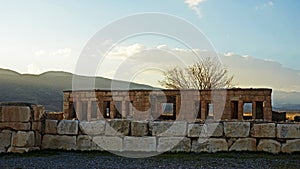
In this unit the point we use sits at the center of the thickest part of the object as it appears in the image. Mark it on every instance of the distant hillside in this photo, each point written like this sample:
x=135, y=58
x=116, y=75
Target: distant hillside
x=47, y=88
x=286, y=101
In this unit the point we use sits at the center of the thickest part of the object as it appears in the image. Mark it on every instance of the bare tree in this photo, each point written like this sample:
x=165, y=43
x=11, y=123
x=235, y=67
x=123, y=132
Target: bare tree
x=206, y=74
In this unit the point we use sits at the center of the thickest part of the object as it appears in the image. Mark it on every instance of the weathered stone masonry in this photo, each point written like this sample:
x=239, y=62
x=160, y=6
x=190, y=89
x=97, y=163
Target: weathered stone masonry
x=227, y=104
x=23, y=129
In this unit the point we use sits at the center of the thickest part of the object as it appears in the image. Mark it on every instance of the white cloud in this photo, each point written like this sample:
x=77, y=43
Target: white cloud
x=265, y=5
x=39, y=52
x=65, y=52
x=247, y=70
x=229, y=54
x=194, y=5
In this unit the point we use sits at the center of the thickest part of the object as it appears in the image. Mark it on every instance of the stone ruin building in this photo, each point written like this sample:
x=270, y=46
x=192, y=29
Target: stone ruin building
x=190, y=105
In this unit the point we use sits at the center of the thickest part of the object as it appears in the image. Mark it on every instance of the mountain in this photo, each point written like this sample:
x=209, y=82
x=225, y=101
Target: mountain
x=47, y=88
x=286, y=101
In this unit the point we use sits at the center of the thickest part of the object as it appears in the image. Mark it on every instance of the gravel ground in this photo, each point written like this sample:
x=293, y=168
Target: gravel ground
x=56, y=159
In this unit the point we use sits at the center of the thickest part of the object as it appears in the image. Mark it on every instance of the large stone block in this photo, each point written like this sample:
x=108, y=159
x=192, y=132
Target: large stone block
x=139, y=128
x=93, y=127
x=172, y=129
x=288, y=130
x=244, y=144
x=59, y=142
x=15, y=114
x=268, y=145
x=68, y=127
x=236, y=129
x=84, y=143
x=196, y=130
x=117, y=127
x=214, y=129
x=291, y=146
x=23, y=139
x=51, y=126
x=109, y=143
x=140, y=144
x=205, y=130
x=174, y=144
x=210, y=145
x=264, y=130
x=5, y=138
x=38, y=139
x=15, y=125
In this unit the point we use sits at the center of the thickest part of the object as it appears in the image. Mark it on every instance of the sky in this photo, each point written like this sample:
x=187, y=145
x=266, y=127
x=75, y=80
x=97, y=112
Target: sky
x=42, y=35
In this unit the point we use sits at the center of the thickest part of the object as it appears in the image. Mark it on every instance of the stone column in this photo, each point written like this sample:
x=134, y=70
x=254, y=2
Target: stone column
x=89, y=110
x=240, y=110
x=253, y=109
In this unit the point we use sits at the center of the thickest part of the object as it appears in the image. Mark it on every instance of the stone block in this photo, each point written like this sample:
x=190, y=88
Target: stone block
x=244, y=144
x=109, y=143
x=36, y=126
x=174, y=144
x=210, y=145
x=264, y=130
x=291, y=146
x=140, y=144
x=93, y=127
x=38, y=139
x=236, y=129
x=288, y=130
x=51, y=126
x=22, y=149
x=84, y=143
x=268, y=145
x=117, y=127
x=139, y=128
x=68, y=127
x=23, y=139
x=172, y=129
x=59, y=142
x=214, y=129
x=205, y=130
x=5, y=139
x=196, y=130
x=15, y=126
x=15, y=114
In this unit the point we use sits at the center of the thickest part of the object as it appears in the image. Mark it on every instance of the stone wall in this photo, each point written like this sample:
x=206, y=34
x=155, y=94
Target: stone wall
x=161, y=136
x=20, y=127
x=23, y=128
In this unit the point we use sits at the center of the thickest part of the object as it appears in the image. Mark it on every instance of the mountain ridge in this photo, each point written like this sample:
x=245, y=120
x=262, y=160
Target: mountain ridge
x=47, y=89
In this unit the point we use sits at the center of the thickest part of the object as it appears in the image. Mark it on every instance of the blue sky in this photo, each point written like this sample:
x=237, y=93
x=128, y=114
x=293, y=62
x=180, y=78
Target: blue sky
x=40, y=35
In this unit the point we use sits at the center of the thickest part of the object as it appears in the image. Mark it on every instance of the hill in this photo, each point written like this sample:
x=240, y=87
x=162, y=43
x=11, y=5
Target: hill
x=47, y=88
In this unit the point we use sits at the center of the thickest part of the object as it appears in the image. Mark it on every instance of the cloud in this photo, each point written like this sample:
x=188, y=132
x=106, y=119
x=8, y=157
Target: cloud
x=194, y=5
x=265, y=5
x=39, y=52
x=65, y=52
x=247, y=70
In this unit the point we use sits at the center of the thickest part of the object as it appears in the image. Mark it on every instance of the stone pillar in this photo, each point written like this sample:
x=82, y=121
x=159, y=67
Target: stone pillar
x=112, y=110
x=253, y=109
x=203, y=109
x=240, y=110
x=89, y=110
x=123, y=110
